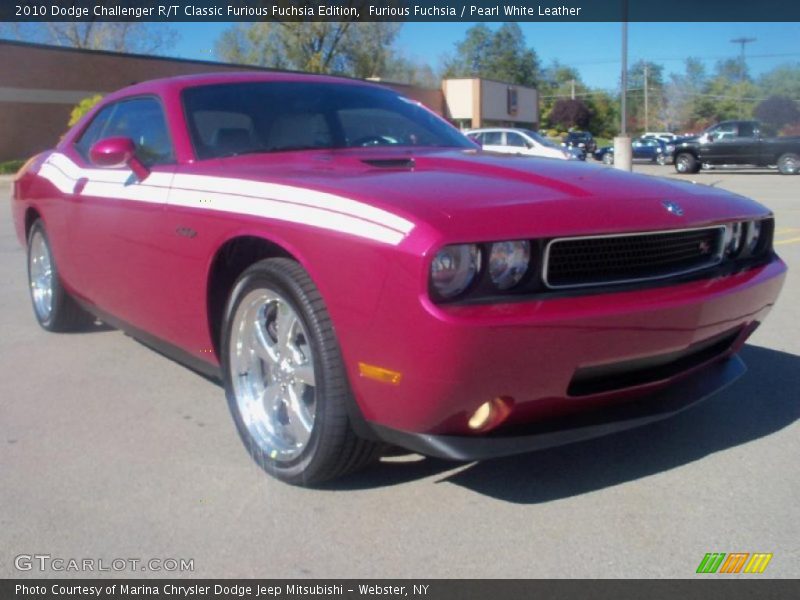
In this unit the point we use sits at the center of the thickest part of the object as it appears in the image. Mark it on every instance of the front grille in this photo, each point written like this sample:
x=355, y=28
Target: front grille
x=626, y=258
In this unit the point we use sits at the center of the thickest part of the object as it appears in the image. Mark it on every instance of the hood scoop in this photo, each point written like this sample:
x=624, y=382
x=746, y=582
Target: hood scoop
x=390, y=163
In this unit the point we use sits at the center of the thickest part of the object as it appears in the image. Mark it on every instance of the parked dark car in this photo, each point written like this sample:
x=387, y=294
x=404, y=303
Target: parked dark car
x=582, y=140
x=739, y=143
x=648, y=149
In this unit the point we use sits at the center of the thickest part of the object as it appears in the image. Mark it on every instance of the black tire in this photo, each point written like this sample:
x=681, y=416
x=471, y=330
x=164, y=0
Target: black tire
x=686, y=163
x=789, y=164
x=64, y=313
x=333, y=449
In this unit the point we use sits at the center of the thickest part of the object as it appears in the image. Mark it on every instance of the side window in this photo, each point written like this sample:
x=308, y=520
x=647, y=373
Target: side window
x=515, y=139
x=493, y=138
x=94, y=131
x=142, y=120
x=724, y=131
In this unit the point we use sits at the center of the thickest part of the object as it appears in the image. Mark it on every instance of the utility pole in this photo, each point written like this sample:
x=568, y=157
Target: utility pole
x=646, y=120
x=572, y=83
x=742, y=41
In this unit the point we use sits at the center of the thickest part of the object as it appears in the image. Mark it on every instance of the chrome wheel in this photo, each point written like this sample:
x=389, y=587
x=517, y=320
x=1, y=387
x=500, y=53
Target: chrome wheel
x=40, y=273
x=272, y=374
x=789, y=164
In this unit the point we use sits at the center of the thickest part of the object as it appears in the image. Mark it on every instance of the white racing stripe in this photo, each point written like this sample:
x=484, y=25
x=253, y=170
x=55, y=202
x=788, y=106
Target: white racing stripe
x=240, y=196
x=286, y=193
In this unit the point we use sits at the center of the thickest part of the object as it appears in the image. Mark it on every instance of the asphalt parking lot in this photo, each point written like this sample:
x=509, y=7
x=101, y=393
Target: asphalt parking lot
x=108, y=451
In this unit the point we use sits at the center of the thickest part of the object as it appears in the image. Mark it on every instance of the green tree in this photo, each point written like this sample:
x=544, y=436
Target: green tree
x=368, y=48
x=362, y=49
x=604, y=121
x=682, y=94
x=783, y=80
x=251, y=44
x=501, y=55
x=128, y=36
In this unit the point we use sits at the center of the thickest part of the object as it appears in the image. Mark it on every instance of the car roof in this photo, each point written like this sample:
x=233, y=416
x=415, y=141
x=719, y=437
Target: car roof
x=178, y=83
x=484, y=129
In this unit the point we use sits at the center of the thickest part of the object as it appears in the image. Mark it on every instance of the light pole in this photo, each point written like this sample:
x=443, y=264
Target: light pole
x=622, y=143
x=743, y=41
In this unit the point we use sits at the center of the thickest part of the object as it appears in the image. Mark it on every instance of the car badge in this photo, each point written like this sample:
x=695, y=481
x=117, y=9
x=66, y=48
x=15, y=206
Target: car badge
x=704, y=247
x=672, y=207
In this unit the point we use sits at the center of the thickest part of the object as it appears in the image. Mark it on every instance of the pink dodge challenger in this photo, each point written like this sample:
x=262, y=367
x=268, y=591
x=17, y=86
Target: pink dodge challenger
x=359, y=273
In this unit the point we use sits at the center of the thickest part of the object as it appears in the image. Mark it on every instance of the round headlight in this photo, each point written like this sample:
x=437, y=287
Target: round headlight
x=454, y=268
x=508, y=263
x=753, y=235
x=735, y=238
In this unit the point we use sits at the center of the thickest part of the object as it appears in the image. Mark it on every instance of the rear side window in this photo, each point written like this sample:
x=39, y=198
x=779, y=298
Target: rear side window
x=747, y=129
x=493, y=138
x=140, y=119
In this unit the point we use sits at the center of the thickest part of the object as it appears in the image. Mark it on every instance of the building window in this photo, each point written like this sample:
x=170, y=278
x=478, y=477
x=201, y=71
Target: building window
x=511, y=97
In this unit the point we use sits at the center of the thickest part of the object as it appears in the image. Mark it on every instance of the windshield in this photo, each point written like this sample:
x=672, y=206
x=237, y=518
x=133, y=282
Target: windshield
x=540, y=139
x=243, y=118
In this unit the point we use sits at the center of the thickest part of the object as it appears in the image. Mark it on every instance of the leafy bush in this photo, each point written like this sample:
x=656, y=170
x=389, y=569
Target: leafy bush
x=570, y=113
x=83, y=107
x=10, y=167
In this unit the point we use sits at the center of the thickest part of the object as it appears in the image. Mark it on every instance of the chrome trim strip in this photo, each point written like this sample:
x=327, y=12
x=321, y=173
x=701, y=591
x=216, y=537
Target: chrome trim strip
x=717, y=257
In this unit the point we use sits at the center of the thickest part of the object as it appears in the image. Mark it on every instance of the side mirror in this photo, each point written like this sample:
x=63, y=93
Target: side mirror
x=117, y=152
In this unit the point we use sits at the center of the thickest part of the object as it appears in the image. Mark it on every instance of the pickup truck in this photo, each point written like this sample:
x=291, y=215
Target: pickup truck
x=737, y=143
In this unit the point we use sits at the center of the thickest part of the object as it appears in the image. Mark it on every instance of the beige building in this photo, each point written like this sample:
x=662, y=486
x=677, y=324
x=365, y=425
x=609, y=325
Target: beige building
x=483, y=103
x=40, y=84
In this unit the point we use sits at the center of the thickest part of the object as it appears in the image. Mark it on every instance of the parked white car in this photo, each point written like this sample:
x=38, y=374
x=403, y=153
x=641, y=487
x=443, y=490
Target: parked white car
x=521, y=141
x=660, y=135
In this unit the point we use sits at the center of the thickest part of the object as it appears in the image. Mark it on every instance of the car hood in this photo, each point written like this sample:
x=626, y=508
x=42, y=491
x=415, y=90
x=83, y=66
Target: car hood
x=470, y=194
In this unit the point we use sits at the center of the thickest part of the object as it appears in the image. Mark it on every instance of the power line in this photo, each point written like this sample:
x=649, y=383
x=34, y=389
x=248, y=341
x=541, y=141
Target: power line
x=609, y=61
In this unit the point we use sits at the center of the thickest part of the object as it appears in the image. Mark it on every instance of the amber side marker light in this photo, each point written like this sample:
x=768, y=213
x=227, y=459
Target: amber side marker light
x=379, y=374
x=491, y=413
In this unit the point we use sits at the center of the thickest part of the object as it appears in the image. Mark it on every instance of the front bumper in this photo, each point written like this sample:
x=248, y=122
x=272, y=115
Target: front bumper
x=577, y=428
x=553, y=357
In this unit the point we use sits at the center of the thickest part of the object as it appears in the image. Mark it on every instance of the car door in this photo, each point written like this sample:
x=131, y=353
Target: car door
x=517, y=144
x=118, y=224
x=746, y=146
x=640, y=149
x=717, y=146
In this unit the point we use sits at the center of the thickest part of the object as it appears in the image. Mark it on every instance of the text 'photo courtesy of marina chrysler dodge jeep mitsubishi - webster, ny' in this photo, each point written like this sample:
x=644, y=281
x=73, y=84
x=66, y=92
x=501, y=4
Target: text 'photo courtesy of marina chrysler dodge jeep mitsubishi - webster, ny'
x=359, y=274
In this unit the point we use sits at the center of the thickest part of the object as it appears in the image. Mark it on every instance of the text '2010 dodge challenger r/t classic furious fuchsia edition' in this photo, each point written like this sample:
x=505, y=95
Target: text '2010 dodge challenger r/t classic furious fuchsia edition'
x=358, y=273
